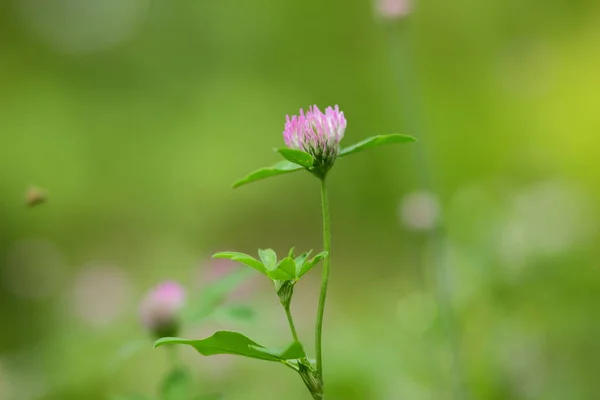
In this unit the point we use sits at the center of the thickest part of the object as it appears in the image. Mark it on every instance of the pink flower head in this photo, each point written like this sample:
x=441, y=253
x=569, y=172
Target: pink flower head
x=316, y=133
x=394, y=9
x=160, y=308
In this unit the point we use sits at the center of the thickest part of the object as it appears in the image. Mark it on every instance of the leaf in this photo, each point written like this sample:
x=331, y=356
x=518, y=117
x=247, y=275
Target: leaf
x=314, y=261
x=297, y=157
x=300, y=260
x=374, y=141
x=285, y=271
x=291, y=252
x=282, y=167
x=244, y=259
x=292, y=352
x=176, y=385
x=222, y=342
x=269, y=258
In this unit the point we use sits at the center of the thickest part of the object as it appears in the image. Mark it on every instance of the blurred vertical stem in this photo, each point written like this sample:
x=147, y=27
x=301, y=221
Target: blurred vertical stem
x=325, y=277
x=400, y=55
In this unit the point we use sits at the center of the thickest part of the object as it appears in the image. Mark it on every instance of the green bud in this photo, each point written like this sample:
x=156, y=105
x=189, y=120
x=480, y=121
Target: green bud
x=285, y=291
x=311, y=380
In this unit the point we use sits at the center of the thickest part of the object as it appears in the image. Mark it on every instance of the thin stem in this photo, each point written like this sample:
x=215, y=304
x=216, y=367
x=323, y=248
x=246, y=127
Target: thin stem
x=325, y=278
x=289, y=365
x=291, y=322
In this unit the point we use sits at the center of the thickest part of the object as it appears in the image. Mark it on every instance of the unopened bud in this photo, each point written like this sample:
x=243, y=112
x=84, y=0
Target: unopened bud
x=159, y=311
x=285, y=291
x=311, y=380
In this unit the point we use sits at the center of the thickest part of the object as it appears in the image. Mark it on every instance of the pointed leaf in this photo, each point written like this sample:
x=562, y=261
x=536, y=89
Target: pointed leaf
x=310, y=264
x=291, y=252
x=297, y=157
x=300, y=260
x=285, y=271
x=282, y=167
x=177, y=385
x=244, y=259
x=222, y=342
x=291, y=352
x=269, y=258
x=374, y=141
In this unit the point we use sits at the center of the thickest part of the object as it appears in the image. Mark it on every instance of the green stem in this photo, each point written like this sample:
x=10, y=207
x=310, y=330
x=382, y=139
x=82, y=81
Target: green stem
x=291, y=322
x=325, y=278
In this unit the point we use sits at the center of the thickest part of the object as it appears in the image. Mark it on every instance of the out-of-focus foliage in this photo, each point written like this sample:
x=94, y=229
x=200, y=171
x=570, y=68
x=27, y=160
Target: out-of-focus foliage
x=135, y=116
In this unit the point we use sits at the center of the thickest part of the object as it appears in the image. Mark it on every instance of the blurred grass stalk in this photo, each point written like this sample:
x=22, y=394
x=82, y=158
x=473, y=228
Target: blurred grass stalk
x=400, y=57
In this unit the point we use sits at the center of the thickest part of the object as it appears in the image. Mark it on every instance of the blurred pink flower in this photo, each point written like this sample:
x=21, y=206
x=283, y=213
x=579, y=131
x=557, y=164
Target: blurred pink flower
x=219, y=268
x=394, y=9
x=316, y=133
x=160, y=308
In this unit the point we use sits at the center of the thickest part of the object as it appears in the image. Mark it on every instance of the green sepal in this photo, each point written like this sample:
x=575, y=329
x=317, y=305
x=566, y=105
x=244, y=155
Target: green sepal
x=285, y=291
x=375, y=141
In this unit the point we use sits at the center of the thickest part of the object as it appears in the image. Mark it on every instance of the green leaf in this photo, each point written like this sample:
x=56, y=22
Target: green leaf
x=285, y=271
x=310, y=264
x=292, y=352
x=282, y=167
x=291, y=252
x=176, y=386
x=300, y=260
x=297, y=157
x=269, y=258
x=222, y=342
x=244, y=259
x=374, y=141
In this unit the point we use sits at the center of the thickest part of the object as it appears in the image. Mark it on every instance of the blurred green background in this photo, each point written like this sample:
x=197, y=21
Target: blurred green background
x=137, y=115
